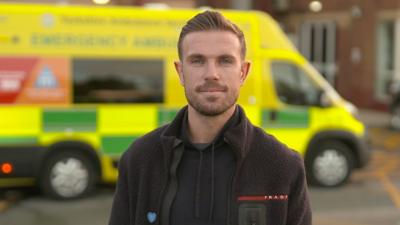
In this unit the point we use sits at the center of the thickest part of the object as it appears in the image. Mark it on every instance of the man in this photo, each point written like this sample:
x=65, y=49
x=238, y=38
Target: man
x=210, y=165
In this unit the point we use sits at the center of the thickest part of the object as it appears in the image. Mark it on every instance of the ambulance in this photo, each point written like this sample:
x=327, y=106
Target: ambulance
x=78, y=84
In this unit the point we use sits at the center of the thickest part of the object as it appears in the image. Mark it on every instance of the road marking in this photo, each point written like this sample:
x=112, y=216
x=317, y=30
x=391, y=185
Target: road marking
x=392, y=142
x=3, y=205
x=389, y=166
x=388, y=139
x=383, y=165
x=375, y=168
x=8, y=200
x=391, y=189
x=331, y=221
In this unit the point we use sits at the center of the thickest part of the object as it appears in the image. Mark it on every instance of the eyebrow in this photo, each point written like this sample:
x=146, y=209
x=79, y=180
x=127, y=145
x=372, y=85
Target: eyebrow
x=226, y=56
x=195, y=55
x=198, y=55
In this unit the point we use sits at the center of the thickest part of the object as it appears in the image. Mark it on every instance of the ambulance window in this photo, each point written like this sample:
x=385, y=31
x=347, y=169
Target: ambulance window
x=118, y=81
x=293, y=85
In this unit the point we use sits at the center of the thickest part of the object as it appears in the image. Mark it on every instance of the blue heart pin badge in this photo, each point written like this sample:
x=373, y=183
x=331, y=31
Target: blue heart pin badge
x=151, y=217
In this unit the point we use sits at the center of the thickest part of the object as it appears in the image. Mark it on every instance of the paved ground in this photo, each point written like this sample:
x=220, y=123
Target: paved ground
x=30, y=208
x=372, y=196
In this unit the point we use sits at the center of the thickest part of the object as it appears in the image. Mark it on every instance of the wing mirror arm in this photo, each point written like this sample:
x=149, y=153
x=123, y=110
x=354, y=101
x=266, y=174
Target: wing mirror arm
x=323, y=99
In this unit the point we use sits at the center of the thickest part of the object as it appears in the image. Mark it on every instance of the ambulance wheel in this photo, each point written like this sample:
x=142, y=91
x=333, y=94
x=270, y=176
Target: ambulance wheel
x=329, y=164
x=68, y=175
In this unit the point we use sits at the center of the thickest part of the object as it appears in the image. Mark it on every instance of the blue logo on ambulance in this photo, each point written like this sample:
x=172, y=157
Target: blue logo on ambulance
x=46, y=79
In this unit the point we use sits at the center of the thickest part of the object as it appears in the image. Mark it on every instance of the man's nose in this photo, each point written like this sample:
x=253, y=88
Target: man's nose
x=212, y=71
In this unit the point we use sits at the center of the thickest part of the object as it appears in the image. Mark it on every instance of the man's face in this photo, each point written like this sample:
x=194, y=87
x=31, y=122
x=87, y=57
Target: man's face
x=211, y=71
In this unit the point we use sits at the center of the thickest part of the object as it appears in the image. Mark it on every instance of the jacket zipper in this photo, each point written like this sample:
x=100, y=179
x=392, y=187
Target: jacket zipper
x=231, y=191
x=162, y=197
x=230, y=197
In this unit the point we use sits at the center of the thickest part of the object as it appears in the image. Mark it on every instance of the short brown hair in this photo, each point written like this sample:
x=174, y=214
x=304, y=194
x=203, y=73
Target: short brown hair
x=211, y=21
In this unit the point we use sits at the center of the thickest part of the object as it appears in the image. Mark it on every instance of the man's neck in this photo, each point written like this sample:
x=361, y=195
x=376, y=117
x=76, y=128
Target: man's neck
x=203, y=129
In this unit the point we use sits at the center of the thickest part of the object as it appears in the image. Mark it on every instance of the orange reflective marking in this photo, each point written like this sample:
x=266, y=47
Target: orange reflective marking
x=6, y=168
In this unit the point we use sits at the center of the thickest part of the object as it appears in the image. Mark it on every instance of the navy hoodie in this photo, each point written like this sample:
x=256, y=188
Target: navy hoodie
x=204, y=179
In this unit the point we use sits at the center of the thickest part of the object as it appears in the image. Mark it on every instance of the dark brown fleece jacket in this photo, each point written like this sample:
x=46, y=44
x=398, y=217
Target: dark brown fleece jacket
x=268, y=188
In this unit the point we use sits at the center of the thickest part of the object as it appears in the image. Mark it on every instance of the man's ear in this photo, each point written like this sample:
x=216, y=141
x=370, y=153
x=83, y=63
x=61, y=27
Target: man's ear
x=244, y=71
x=178, y=68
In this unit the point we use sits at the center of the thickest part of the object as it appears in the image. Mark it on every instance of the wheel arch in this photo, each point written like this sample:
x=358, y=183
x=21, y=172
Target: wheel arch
x=347, y=138
x=76, y=147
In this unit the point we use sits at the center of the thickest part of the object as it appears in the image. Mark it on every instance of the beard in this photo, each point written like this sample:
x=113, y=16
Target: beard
x=211, y=105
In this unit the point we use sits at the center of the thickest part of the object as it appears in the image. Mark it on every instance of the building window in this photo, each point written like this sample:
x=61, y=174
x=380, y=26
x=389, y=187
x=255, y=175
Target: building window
x=318, y=45
x=388, y=31
x=293, y=85
x=118, y=81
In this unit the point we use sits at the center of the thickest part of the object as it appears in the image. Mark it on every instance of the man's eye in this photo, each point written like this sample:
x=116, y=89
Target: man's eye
x=226, y=60
x=196, y=61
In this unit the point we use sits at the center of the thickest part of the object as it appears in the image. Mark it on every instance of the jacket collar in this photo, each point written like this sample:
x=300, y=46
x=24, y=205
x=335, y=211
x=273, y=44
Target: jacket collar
x=238, y=136
x=218, y=139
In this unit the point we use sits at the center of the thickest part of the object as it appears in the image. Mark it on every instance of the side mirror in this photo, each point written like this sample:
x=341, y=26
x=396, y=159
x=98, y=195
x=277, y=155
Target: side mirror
x=323, y=100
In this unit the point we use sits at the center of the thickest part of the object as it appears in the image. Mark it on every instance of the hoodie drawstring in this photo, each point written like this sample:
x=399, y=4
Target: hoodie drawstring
x=210, y=214
x=197, y=198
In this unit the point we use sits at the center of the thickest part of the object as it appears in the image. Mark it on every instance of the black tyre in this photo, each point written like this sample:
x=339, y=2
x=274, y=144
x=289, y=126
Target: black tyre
x=68, y=175
x=329, y=164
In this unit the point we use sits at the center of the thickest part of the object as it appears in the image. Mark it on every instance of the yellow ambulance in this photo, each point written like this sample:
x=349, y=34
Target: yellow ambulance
x=78, y=84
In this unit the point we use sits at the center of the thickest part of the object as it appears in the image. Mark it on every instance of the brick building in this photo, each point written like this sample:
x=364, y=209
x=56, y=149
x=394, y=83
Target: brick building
x=353, y=43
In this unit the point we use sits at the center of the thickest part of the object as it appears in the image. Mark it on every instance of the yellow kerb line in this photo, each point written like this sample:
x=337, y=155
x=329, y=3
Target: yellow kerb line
x=391, y=189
